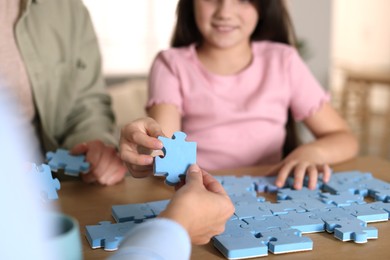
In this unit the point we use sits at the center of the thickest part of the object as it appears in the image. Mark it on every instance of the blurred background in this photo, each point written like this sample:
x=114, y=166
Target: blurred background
x=345, y=43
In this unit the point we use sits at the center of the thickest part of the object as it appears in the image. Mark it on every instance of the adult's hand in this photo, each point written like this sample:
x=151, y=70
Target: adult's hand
x=201, y=206
x=106, y=167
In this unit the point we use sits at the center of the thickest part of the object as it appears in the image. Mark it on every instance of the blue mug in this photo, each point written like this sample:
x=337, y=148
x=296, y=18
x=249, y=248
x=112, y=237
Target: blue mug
x=65, y=241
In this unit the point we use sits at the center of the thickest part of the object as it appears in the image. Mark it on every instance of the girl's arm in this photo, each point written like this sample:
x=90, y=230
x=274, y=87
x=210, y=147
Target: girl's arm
x=334, y=143
x=168, y=116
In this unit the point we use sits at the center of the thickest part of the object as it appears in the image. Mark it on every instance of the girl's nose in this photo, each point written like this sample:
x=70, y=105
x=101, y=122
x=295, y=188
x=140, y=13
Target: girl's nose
x=224, y=9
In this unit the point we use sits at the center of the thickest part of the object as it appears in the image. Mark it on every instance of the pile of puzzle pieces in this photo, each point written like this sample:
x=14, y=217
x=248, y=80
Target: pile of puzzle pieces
x=338, y=207
x=259, y=226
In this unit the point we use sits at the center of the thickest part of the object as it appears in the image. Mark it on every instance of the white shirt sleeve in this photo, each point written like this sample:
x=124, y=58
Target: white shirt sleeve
x=160, y=238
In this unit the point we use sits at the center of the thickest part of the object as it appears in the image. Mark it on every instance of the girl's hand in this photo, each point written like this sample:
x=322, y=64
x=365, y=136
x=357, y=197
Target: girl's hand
x=137, y=142
x=304, y=160
x=299, y=169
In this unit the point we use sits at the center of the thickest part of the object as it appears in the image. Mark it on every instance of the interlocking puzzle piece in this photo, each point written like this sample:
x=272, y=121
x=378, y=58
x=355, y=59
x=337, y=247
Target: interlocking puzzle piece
x=178, y=156
x=158, y=206
x=257, y=225
x=251, y=210
x=367, y=212
x=266, y=184
x=282, y=207
x=72, y=164
x=381, y=195
x=107, y=235
x=351, y=229
x=237, y=243
x=132, y=212
x=246, y=198
x=281, y=240
x=138, y=212
x=313, y=204
x=342, y=199
x=348, y=181
x=304, y=193
x=381, y=205
x=303, y=222
x=48, y=184
x=290, y=182
x=240, y=188
x=332, y=214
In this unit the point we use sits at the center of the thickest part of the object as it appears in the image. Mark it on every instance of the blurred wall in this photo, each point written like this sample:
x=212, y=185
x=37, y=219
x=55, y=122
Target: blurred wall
x=361, y=40
x=312, y=22
x=361, y=32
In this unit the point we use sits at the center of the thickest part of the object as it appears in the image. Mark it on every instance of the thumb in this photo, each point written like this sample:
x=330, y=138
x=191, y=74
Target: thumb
x=79, y=149
x=194, y=175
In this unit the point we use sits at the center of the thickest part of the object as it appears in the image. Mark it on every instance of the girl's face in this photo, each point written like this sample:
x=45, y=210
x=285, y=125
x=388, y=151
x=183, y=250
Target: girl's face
x=225, y=23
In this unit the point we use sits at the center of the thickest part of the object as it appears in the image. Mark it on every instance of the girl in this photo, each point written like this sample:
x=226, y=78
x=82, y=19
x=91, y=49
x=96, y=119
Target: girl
x=228, y=82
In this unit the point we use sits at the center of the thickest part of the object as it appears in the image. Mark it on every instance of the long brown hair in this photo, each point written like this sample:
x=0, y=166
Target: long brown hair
x=274, y=25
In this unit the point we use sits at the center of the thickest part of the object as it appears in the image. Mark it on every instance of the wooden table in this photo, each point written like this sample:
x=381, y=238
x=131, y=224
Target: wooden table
x=90, y=204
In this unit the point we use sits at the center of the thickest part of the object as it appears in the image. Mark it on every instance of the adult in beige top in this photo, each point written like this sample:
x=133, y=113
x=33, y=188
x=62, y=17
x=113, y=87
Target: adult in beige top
x=50, y=63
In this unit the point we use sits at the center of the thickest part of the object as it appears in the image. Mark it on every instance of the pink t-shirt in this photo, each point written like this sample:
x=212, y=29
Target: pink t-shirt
x=237, y=120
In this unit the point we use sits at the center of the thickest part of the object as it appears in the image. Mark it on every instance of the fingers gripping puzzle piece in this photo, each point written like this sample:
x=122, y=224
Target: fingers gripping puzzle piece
x=48, y=184
x=72, y=164
x=178, y=156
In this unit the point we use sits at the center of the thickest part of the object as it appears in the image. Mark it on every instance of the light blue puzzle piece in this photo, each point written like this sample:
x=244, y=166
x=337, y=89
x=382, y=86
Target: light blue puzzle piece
x=342, y=199
x=107, y=235
x=48, y=184
x=266, y=184
x=158, y=206
x=251, y=210
x=381, y=195
x=282, y=207
x=332, y=214
x=290, y=182
x=348, y=181
x=178, y=156
x=303, y=222
x=257, y=225
x=132, y=212
x=304, y=193
x=239, y=185
x=314, y=204
x=367, y=212
x=381, y=205
x=351, y=229
x=237, y=242
x=281, y=241
x=246, y=198
x=71, y=164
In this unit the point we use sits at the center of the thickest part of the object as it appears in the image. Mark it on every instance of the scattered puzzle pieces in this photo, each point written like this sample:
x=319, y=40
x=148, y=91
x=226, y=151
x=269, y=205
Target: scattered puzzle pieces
x=48, y=184
x=258, y=226
x=178, y=156
x=71, y=164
